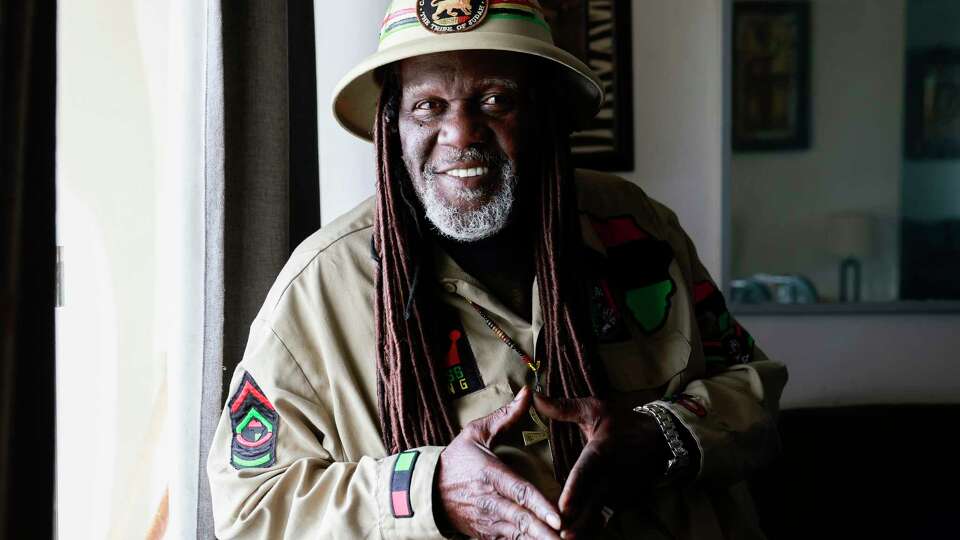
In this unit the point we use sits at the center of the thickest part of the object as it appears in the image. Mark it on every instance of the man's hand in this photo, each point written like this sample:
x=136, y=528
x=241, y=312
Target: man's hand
x=480, y=495
x=625, y=455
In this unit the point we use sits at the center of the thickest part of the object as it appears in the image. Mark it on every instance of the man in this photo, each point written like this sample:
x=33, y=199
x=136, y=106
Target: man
x=496, y=345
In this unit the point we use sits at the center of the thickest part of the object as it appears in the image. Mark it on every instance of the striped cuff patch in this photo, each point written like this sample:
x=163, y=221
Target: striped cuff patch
x=400, y=483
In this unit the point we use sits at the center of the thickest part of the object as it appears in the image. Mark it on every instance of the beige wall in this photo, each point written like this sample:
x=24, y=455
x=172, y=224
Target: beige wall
x=678, y=104
x=782, y=201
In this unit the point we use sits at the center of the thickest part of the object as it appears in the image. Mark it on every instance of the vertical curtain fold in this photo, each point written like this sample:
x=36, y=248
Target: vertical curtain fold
x=27, y=265
x=261, y=180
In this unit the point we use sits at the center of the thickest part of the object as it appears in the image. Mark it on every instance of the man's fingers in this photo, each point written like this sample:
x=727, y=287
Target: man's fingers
x=581, y=482
x=524, y=494
x=582, y=494
x=564, y=410
x=518, y=522
x=501, y=419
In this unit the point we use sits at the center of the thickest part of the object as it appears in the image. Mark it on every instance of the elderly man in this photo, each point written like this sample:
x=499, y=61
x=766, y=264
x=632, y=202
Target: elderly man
x=495, y=345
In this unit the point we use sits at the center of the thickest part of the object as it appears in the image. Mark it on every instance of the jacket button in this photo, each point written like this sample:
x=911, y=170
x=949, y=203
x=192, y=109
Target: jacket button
x=450, y=287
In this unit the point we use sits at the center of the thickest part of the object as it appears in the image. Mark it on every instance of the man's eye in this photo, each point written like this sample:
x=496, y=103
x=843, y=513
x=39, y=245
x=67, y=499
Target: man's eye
x=497, y=100
x=427, y=105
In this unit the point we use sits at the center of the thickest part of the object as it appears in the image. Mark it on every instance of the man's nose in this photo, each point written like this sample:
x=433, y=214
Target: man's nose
x=462, y=127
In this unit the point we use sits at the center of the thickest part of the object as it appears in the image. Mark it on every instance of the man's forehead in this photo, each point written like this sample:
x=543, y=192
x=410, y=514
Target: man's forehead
x=486, y=68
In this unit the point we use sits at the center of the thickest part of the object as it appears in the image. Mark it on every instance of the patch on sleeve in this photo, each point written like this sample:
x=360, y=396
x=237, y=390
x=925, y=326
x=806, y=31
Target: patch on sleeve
x=254, y=421
x=640, y=266
x=690, y=403
x=725, y=342
x=400, y=483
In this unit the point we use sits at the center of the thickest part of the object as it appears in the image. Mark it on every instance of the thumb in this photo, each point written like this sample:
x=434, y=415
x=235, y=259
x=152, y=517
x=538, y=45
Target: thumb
x=560, y=409
x=503, y=418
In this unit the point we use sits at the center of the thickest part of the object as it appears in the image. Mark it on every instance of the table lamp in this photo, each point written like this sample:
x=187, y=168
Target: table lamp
x=850, y=237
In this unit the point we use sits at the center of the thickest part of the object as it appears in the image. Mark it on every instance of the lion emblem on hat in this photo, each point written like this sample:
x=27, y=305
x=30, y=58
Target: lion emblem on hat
x=449, y=6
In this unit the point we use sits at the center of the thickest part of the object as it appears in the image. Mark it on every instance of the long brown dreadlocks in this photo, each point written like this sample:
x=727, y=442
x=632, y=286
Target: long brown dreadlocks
x=414, y=407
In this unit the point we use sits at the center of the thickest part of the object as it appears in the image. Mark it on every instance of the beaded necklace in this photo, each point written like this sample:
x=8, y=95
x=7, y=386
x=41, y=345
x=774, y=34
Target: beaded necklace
x=542, y=433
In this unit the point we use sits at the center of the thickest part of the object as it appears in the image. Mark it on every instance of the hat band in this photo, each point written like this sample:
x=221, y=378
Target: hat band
x=522, y=10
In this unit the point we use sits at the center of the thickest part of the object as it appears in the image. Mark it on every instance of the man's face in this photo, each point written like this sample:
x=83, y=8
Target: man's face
x=460, y=120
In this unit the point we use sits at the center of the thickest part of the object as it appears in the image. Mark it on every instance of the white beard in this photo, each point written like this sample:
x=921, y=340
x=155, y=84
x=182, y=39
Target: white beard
x=469, y=225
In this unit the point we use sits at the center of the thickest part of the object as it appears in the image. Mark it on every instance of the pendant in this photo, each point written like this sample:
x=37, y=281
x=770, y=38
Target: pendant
x=541, y=434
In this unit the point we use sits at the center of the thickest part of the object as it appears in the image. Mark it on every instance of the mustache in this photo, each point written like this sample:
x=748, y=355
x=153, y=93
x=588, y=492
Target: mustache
x=485, y=157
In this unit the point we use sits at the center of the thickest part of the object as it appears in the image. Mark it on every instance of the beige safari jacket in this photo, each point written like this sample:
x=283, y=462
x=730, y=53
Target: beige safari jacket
x=297, y=453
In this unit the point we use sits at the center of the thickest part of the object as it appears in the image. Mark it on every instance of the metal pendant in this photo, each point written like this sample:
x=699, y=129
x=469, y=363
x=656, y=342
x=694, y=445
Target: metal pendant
x=539, y=435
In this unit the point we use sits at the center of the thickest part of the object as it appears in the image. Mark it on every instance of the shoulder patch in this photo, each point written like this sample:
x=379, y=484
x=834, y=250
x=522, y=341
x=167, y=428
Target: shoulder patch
x=725, y=342
x=255, y=421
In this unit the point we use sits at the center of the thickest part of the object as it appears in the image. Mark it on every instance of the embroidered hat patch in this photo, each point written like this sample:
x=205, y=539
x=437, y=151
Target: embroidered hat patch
x=254, y=421
x=443, y=16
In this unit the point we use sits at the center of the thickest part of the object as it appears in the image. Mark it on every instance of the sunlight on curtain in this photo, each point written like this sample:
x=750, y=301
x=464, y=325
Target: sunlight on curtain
x=130, y=208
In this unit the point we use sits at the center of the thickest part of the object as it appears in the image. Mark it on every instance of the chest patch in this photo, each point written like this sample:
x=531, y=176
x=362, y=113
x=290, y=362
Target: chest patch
x=463, y=376
x=605, y=316
x=640, y=266
x=254, y=420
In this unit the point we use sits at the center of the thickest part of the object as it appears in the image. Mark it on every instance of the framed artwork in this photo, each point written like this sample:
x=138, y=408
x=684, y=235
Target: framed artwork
x=771, y=83
x=598, y=33
x=933, y=105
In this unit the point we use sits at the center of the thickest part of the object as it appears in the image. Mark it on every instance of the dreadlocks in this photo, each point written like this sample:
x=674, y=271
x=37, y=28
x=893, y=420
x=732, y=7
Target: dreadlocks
x=414, y=407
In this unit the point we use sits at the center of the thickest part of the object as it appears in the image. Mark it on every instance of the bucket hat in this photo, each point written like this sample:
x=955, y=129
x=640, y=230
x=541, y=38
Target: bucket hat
x=419, y=27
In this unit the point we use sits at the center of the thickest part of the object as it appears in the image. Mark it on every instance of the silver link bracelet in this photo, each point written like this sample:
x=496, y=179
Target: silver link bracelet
x=679, y=456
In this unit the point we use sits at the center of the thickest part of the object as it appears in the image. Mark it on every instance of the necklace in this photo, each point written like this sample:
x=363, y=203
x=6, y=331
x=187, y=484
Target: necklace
x=542, y=433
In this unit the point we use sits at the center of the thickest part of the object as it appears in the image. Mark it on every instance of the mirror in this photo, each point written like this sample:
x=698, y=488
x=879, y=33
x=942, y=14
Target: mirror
x=845, y=172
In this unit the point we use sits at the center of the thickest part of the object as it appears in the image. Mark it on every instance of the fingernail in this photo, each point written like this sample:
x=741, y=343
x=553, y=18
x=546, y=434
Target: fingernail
x=554, y=521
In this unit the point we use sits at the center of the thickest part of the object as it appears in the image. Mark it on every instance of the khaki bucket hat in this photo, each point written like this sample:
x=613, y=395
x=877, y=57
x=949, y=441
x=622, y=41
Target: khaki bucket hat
x=419, y=27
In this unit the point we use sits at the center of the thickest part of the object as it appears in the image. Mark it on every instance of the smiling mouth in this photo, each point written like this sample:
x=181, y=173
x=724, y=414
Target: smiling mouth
x=471, y=172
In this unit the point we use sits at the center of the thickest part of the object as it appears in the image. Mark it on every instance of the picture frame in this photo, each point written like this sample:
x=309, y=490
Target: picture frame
x=932, y=109
x=598, y=33
x=771, y=76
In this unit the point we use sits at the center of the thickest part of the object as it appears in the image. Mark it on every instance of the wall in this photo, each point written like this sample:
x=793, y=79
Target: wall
x=782, y=201
x=347, y=171
x=930, y=187
x=679, y=108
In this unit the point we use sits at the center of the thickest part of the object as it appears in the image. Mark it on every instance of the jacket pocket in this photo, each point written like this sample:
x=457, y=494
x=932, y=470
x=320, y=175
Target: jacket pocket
x=645, y=364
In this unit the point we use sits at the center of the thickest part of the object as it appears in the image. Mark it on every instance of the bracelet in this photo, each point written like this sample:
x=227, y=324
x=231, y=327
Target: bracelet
x=679, y=456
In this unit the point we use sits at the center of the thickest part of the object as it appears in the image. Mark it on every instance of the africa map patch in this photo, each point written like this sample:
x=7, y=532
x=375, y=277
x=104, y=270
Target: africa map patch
x=725, y=342
x=640, y=266
x=254, y=421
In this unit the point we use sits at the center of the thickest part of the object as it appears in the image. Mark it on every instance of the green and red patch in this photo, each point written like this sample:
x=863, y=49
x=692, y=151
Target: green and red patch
x=725, y=342
x=640, y=266
x=254, y=420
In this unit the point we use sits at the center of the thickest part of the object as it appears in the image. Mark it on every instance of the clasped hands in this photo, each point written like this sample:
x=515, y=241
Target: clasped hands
x=480, y=496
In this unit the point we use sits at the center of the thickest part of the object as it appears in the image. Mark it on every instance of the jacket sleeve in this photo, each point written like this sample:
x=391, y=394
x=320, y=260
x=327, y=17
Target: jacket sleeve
x=730, y=400
x=272, y=476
